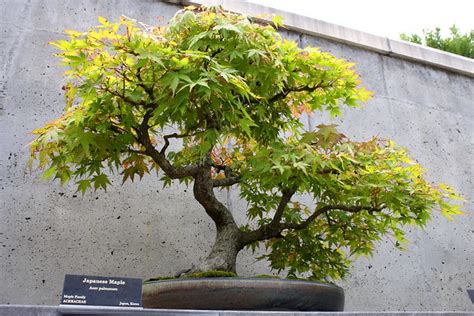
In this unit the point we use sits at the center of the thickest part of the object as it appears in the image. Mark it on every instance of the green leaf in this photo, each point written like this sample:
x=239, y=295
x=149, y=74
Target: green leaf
x=277, y=20
x=83, y=185
x=101, y=181
x=174, y=83
x=49, y=173
x=227, y=27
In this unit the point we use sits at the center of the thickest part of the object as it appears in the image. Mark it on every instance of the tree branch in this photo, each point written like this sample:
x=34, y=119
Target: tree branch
x=148, y=90
x=117, y=129
x=204, y=194
x=226, y=181
x=227, y=170
x=284, y=93
x=230, y=177
x=285, y=198
x=326, y=208
x=135, y=151
x=274, y=229
x=123, y=97
x=329, y=171
x=159, y=157
x=174, y=135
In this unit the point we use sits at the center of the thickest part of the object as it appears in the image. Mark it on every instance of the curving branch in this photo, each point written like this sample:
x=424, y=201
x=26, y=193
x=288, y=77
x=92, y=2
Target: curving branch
x=118, y=129
x=148, y=90
x=274, y=228
x=230, y=177
x=174, y=135
x=123, y=97
x=226, y=181
x=285, y=92
x=160, y=157
x=285, y=199
x=204, y=194
x=135, y=151
x=325, y=209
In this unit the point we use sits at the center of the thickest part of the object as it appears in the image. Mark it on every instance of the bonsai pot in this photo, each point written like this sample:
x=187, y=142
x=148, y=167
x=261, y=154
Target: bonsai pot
x=243, y=294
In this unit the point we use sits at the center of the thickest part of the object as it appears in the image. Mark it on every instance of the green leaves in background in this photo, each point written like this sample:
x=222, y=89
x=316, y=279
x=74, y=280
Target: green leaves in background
x=456, y=43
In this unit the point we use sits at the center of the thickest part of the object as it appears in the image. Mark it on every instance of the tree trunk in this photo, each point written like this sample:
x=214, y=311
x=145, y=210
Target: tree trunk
x=228, y=236
x=224, y=252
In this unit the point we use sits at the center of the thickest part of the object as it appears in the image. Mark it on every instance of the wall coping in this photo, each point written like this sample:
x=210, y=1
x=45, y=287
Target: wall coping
x=383, y=45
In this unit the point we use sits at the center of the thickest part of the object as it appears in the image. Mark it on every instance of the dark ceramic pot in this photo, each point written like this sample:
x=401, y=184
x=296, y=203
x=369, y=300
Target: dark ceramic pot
x=243, y=294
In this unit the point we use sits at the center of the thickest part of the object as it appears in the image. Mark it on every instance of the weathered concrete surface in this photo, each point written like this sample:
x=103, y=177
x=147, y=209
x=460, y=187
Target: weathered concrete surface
x=132, y=230
x=7, y=310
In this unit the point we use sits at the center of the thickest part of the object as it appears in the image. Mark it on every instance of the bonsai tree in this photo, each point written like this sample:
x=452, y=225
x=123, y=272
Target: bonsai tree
x=226, y=94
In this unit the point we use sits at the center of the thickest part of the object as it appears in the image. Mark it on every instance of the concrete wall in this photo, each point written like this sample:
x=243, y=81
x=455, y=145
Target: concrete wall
x=47, y=230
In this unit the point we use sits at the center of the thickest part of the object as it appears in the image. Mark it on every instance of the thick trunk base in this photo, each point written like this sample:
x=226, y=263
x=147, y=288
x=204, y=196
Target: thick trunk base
x=224, y=252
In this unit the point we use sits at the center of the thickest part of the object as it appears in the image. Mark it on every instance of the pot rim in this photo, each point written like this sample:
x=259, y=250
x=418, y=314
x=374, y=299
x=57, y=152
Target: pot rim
x=245, y=280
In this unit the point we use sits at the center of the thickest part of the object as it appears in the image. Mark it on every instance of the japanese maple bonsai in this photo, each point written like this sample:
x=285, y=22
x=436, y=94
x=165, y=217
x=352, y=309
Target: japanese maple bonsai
x=231, y=91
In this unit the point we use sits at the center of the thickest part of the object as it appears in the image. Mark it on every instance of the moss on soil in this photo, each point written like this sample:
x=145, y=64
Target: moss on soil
x=221, y=274
x=207, y=274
